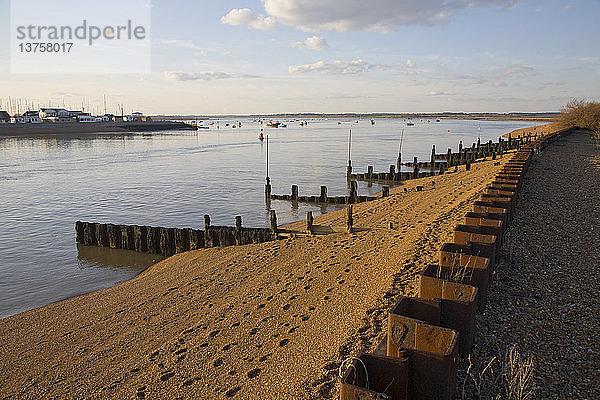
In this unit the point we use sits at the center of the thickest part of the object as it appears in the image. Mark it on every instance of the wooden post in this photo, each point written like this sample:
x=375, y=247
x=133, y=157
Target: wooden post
x=268, y=188
x=274, y=223
x=294, y=192
x=392, y=172
x=385, y=191
x=323, y=197
x=353, y=191
x=349, y=168
x=207, y=241
x=268, y=184
x=309, y=222
x=399, y=160
x=460, y=147
x=349, y=221
x=370, y=172
x=238, y=229
x=415, y=168
x=433, y=158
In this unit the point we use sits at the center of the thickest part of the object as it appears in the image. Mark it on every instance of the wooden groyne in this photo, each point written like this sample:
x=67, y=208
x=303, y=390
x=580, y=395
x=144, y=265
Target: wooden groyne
x=426, y=334
x=323, y=198
x=441, y=162
x=169, y=241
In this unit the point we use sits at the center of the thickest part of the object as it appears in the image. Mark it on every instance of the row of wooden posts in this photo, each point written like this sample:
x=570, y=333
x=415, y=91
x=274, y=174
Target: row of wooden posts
x=426, y=334
x=353, y=197
x=169, y=241
x=439, y=163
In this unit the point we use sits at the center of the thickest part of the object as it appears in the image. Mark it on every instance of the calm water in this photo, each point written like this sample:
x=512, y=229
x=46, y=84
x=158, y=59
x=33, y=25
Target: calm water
x=173, y=179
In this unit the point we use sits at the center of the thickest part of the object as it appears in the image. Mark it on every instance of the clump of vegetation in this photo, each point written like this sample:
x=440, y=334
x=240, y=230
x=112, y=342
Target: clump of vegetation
x=494, y=379
x=581, y=113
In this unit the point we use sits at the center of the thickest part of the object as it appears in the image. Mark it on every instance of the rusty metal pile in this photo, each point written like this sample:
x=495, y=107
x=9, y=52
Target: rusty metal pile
x=426, y=334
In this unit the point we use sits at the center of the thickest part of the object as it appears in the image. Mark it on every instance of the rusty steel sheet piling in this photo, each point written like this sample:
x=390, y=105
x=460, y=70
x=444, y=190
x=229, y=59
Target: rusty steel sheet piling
x=484, y=235
x=458, y=303
x=430, y=280
x=371, y=377
x=432, y=352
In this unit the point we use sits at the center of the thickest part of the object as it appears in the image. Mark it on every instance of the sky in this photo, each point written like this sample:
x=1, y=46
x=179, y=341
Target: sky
x=333, y=56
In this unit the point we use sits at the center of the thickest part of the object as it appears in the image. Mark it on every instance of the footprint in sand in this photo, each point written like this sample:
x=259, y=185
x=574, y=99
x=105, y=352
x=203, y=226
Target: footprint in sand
x=232, y=392
x=188, y=382
x=218, y=362
x=253, y=373
x=284, y=342
x=167, y=375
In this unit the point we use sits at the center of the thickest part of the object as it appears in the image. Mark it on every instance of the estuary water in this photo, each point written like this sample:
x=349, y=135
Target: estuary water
x=172, y=179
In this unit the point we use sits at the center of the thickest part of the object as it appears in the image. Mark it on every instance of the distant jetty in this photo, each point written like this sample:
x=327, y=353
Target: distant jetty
x=75, y=128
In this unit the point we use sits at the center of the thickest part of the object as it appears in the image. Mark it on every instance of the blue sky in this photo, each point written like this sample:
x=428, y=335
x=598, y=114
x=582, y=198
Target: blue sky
x=238, y=57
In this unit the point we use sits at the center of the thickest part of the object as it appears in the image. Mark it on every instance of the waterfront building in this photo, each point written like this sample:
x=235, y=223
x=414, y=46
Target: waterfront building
x=28, y=117
x=85, y=117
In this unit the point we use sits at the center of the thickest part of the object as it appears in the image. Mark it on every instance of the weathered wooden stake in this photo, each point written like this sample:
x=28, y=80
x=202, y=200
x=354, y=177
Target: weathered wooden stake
x=309, y=222
x=433, y=158
x=385, y=191
x=294, y=192
x=415, y=168
x=399, y=160
x=268, y=184
x=323, y=197
x=353, y=191
x=349, y=168
x=349, y=221
x=273, y=222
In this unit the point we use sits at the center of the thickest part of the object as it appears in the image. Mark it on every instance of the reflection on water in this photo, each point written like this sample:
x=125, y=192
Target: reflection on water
x=105, y=257
x=172, y=179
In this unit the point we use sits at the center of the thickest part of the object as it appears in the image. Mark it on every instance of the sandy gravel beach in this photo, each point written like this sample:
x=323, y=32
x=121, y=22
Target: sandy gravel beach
x=269, y=321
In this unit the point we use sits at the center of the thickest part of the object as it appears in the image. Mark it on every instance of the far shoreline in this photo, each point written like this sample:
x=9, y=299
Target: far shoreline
x=89, y=128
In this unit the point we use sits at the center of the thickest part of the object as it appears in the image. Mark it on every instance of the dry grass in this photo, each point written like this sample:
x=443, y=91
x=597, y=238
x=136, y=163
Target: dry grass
x=493, y=379
x=461, y=274
x=581, y=113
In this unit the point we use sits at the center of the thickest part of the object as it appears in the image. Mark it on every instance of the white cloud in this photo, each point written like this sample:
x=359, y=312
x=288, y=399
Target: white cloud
x=337, y=67
x=312, y=43
x=375, y=15
x=181, y=76
x=245, y=16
